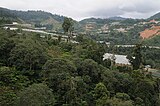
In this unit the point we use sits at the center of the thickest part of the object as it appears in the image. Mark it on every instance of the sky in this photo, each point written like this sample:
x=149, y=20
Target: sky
x=80, y=9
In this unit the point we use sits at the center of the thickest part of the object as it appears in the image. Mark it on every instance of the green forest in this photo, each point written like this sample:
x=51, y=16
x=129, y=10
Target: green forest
x=37, y=71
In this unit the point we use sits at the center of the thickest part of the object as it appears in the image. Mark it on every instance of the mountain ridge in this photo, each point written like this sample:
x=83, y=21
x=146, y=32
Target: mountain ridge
x=155, y=16
x=44, y=15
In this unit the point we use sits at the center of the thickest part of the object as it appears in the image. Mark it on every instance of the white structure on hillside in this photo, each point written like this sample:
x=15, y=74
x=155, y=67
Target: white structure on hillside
x=119, y=59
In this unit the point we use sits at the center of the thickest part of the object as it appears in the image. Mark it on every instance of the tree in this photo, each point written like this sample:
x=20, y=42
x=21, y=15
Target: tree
x=57, y=73
x=136, y=58
x=27, y=57
x=145, y=91
x=10, y=82
x=59, y=39
x=116, y=102
x=68, y=27
x=36, y=95
x=58, y=66
x=100, y=91
x=99, y=95
x=6, y=46
x=122, y=96
x=7, y=96
x=12, y=78
x=90, y=71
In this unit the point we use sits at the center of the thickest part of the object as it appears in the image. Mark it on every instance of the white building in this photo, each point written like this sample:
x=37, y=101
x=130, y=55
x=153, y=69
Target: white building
x=119, y=59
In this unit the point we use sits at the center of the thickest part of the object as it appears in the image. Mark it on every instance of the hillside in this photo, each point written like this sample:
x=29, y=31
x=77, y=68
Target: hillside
x=100, y=62
x=43, y=70
x=147, y=33
x=43, y=19
x=6, y=17
x=156, y=16
x=113, y=30
x=36, y=16
x=6, y=13
x=117, y=18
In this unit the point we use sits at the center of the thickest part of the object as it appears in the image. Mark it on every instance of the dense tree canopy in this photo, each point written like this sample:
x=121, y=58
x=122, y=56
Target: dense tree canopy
x=68, y=27
x=37, y=71
x=36, y=95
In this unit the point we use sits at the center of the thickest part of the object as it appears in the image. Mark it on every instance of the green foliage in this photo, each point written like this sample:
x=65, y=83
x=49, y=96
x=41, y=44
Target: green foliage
x=68, y=27
x=122, y=96
x=90, y=70
x=144, y=90
x=27, y=57
x=117, y=102
x=60, y=74
x=6, y=13
x=124, y=68
x=136, y=59
x=57, y=73
x=101, y=95
x=59, y=66
x=7, y=96
x=5, y=21
x=100, y=91
x=11, y=81
x=139, y=102
x=154, y=41
x=114, y=102
x=71, y=74
x=150, y=55
x=36, y=95
x=67, y=47
x=6, y=45
x=12, y=78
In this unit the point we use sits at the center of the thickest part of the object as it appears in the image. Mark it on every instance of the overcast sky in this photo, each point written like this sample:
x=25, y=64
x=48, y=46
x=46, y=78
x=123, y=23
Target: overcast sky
x=79, y=9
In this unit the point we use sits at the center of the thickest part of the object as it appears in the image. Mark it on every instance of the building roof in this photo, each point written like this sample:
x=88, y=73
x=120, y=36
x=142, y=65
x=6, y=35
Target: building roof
x=119, y=59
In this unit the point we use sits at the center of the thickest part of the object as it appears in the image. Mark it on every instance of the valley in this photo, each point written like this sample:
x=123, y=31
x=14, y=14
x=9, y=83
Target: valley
x=54, y=60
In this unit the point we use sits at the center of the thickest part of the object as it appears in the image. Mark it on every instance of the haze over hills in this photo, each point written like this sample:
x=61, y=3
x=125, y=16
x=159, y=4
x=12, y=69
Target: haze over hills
x=94, y=26
x=39, y=16
x=43, y=17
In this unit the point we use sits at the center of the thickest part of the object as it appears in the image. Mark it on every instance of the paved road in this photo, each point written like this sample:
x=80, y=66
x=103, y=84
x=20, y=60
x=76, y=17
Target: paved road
x=154, y=47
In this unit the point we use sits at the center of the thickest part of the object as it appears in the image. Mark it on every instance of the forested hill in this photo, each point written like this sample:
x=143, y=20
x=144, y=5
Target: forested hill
x=38, y=68
x=35, y=18
x=115, y=30
x=6, y=13
x=6, y=16
x=156, y=16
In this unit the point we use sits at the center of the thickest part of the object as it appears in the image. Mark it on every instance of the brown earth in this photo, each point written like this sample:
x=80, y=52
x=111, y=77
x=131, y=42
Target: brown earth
x=147, y=33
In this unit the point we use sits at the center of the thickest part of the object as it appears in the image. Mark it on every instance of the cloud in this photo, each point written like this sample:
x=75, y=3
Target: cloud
x=79, y=9
x=128, y=8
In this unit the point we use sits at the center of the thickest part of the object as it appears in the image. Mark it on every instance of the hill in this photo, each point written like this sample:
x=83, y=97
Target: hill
x=43, y=19
x=43, y=70
x=117, y=18
x=36, y=16
x=156, y=16
x=6, y=13
x=93, y=24
x=95, y=20
x=147, y=33
x=6, y=17
x=111, y=29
